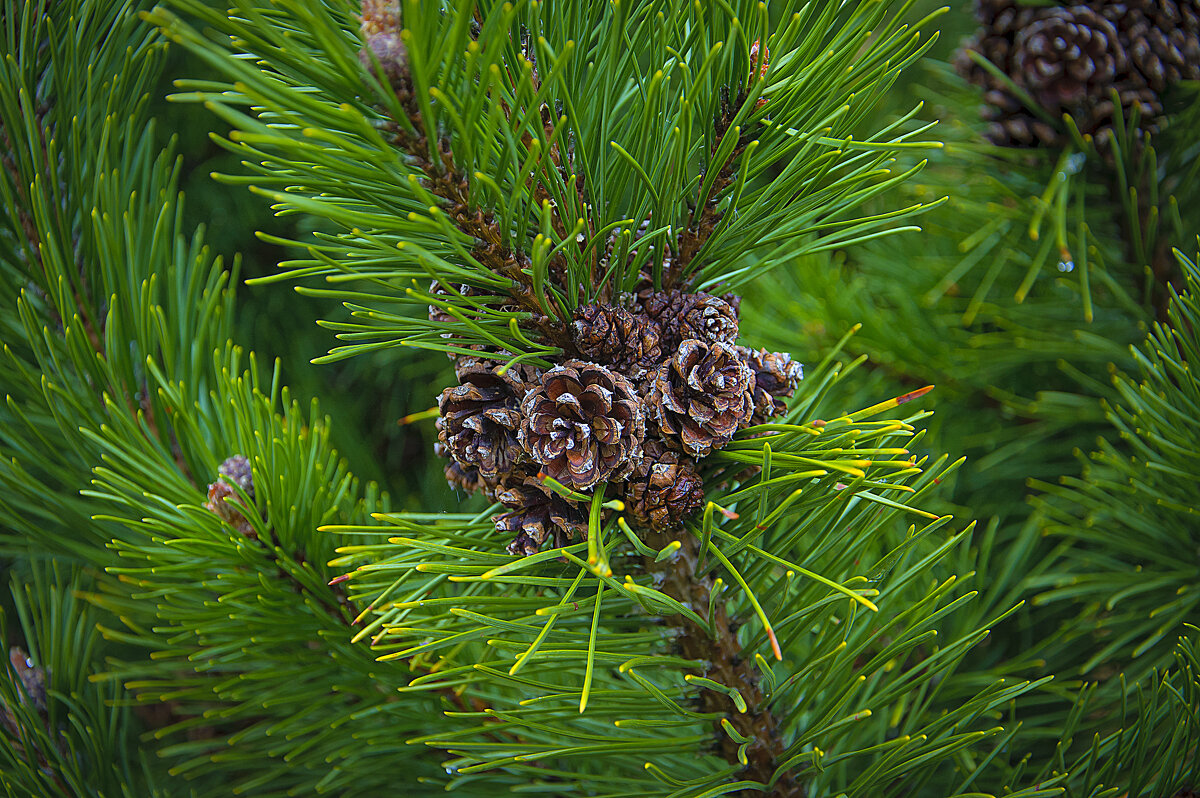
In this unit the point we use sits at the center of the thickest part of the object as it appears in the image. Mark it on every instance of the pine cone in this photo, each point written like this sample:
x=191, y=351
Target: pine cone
x=480, y=416
x=462, y=477
x=686, y=316
x=702, y=396
x=613, y=336
x=776, y=376
x=537, y=514
x=1162, y=38
x=1069, y=57
x=584, y=424
x=664, y=488
x=234, y=470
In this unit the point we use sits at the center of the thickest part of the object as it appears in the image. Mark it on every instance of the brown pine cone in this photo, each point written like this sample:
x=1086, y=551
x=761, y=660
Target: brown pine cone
x=234, y=470
x=686, y=316
x=664, y=488
x=584, y=423
x=1161, y=36
x=480, y=416
x=1010, y=122
x=776, y=376
x=536, y=514
x=702, y=396
x=461, y=477
x=613, y=336
x=1068, y=58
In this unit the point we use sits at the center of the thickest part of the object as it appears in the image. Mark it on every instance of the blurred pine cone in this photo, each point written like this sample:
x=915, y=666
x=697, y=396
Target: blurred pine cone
x=480, y=416
x=702, y=396
x=664, y=488
x=1162, y=37
x=1070, y=59
x=584, y=423
x=613, y=336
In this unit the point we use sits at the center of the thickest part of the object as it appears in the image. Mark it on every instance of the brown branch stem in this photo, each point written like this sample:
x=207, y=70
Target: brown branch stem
x=724, y=663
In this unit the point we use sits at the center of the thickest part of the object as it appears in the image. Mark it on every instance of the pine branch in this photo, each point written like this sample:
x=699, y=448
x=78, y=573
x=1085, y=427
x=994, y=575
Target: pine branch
x=1129, y=515
x=159, y=400
x=537, y=194
x=61, y=733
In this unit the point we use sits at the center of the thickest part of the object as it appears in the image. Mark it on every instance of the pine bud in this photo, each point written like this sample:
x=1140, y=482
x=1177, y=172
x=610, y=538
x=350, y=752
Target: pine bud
x=381, y=32
x=234, y=471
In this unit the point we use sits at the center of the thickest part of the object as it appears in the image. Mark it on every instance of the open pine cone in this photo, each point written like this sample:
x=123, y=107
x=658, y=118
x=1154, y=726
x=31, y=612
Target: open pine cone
x=536, y=514
x=480, y=416
x=776, y=376
x=684, y=316
x=584, y=423
x=459, y=476
x=614, y=336
x=702, y=396
x=664, y=488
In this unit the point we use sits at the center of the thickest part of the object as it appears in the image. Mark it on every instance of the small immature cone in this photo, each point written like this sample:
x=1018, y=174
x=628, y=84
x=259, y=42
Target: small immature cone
x=702, y=396
x=584, y=423
x=33, y=682
x=759, y=56
x=33, y=678
x=381, y=32
x=234, y=471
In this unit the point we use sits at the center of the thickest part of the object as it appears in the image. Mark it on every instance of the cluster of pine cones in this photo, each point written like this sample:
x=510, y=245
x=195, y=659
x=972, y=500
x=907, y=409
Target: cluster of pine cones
x=1070, y=58
x=654, y=383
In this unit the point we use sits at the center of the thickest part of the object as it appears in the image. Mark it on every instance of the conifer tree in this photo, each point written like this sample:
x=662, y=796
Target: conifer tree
x=697, y=544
